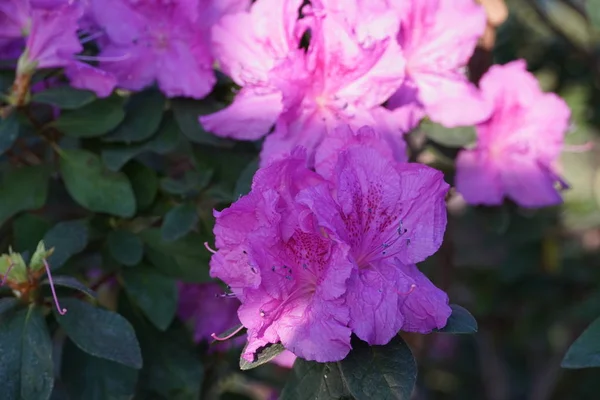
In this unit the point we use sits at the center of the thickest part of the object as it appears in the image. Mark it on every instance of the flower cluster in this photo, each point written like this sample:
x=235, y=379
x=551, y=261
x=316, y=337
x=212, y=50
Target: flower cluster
x=326, y=243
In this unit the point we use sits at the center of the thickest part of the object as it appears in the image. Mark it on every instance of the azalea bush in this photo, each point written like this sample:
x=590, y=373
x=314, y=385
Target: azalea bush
x=325, y=199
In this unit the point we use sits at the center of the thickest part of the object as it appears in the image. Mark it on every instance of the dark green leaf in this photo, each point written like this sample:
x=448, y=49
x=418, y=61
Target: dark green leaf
x=125, y=247
x=585, y=351
x=94, y=187
x=92, y=120
x=26, y=369
x=380, y=372
x=244, y=182
x=460, y=321
x=9, y=131
x=144, y=183
x=449, y=137
x=187, y=112
x=264, y=355
x=23, y=189
x=64, y=97
x=171, y=367
x=189, y=246
x=144, y=112
x=179, y=221
x=167, y=139
x=192, y=182
x=28, y=230
x=7, y=304
x=70, y=282
x=188, y=269
x=92, y=378
x=68, y=238
x=99, y=332
x=154, y=293
x=311, y=380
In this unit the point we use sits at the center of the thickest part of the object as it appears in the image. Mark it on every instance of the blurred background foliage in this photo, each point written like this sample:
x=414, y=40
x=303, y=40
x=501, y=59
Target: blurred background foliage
x=124, y=189
x=531, y=278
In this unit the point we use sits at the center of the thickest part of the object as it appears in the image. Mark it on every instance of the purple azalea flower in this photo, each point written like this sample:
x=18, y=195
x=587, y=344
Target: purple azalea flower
x=517, y=145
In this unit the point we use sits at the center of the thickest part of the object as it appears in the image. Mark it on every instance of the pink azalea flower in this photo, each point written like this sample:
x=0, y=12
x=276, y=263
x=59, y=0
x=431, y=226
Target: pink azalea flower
x=287, y=272
x=167, y=42
x=438, y=38
x=517, y=145
x=349, y=69
x=392, y=215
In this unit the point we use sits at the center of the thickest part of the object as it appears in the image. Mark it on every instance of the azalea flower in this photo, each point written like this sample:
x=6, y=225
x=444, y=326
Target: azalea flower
x=342, y=77
x=167, y=42
x=517, y=146
x=438, y=37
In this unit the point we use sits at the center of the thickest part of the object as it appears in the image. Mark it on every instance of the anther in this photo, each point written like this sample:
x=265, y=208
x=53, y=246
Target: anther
x=412, y=289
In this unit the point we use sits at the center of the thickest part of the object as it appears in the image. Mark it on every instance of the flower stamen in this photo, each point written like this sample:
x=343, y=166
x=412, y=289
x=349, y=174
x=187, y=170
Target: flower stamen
x=61, y=311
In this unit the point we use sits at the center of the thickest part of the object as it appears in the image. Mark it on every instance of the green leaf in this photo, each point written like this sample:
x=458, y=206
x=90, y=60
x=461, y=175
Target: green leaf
x=449, y=137
x=166, y=140
x=172, y=368
x=187, y=112
x=585, y=351
x=64, y=97
x=94, y=187
x=7, y=304
x=92, y=378
x=144, y=113
x=72, y=283
x=92, y=120
x=264, y=355
x=68, y=238
x=380, y=372
x=125, y=247
x=593, y=11
x=154, y=293
x=99, y=332
x=9, y=131
x=244, y=182
x=187, y=246
x=23, y=189
x=190, y=184
x=28, y=230
x=187, y=269
x=26, y=369
x=460, y=321
x=315, y=381
x=144, y=183
x=179, y=221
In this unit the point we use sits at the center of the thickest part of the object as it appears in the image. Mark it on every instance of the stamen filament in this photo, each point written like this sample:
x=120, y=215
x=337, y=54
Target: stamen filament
x=61, y=311
x=222, y=339
x=90, y=37
x=207, y=246
x=103, y=58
